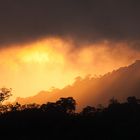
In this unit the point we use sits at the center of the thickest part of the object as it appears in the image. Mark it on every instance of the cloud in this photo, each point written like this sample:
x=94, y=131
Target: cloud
x=84, y=20
x=53, y=62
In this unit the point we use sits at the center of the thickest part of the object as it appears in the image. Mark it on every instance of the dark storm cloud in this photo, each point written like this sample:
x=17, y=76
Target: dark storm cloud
x=87, y=20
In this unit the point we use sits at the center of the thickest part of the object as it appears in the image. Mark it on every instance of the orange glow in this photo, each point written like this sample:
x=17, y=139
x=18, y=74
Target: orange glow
x=53, y=62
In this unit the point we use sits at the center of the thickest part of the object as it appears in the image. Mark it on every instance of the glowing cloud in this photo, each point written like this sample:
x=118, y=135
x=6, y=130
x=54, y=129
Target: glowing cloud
x=54, y=62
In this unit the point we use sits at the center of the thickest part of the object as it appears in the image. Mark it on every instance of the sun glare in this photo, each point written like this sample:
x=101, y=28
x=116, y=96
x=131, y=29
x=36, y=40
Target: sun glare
x=36, y=56
x=42, y=52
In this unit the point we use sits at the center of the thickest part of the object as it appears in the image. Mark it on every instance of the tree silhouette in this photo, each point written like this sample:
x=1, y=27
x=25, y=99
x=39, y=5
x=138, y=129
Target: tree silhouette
x=88, y=111
x=68, y=104
x=113, y=103
x=53, y=119
x=133, y=100
x=5, y=93
x=15, y=107
x=49, y=107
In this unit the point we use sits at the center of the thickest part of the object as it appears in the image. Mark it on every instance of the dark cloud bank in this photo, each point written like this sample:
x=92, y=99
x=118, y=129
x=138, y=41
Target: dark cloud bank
x=87, y=20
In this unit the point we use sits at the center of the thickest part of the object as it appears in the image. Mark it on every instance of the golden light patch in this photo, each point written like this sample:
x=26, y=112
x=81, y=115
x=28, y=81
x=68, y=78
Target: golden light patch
x=36, y=56
x=41, y=52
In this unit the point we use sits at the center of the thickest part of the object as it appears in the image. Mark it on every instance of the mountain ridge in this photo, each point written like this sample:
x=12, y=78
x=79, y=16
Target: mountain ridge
x=119, y=84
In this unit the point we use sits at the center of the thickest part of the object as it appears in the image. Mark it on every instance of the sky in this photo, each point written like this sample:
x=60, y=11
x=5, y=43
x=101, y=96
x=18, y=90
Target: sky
x=47, y=43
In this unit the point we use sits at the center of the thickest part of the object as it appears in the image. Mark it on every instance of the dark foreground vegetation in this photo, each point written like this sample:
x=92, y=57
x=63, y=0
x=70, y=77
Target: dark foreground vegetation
x=59, y=121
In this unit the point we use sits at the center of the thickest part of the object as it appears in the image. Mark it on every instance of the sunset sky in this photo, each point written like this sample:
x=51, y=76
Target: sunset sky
x=48, y=43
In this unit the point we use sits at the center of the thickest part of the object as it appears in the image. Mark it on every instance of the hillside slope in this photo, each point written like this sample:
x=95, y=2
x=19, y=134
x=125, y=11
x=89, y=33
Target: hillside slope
x=120, y=84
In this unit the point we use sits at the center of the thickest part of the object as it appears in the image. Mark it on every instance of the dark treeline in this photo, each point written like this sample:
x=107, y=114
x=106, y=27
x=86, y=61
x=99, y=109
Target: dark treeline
x=58, y=120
